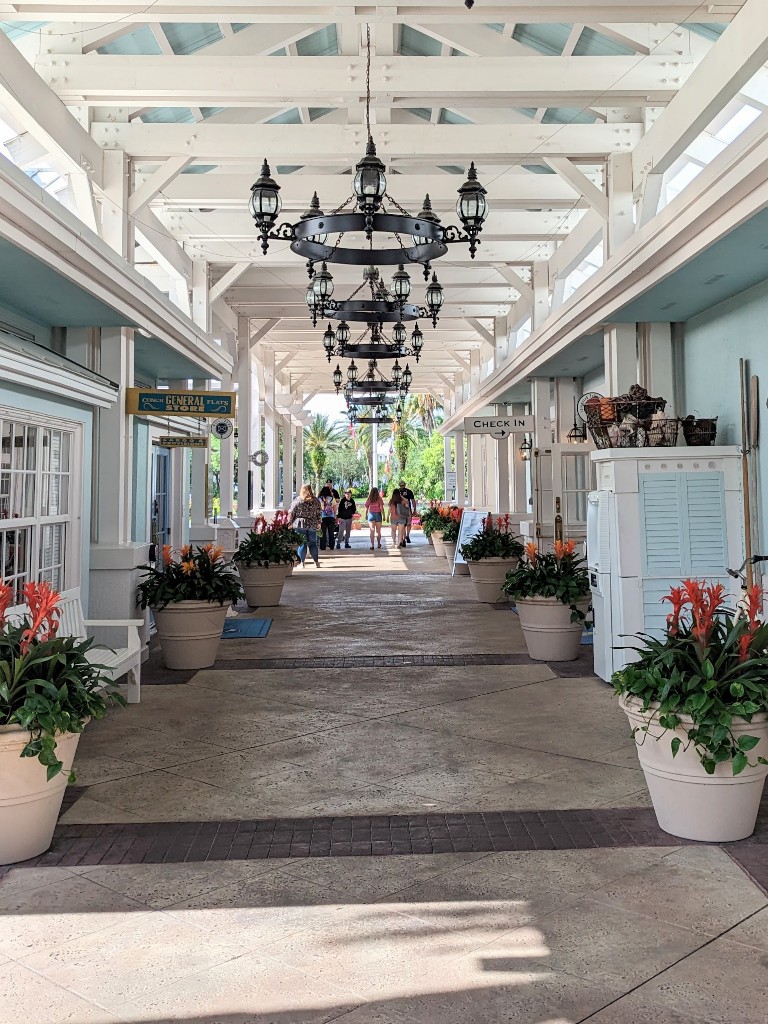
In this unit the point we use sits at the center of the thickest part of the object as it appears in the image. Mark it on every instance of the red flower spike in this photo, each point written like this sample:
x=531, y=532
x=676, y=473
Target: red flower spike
x=42, y=601
x=677, y=597
x=6, y=598
x=755, y=596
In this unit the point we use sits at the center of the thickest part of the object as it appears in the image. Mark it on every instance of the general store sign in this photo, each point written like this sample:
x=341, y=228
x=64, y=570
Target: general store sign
x=179, y=403
x=498, y=426
x=183, y=442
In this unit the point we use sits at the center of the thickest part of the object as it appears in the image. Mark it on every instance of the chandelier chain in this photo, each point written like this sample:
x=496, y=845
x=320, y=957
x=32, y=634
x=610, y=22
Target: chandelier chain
x=368, y=79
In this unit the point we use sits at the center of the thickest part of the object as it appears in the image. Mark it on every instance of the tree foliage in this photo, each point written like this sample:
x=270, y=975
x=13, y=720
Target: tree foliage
x=320, y=439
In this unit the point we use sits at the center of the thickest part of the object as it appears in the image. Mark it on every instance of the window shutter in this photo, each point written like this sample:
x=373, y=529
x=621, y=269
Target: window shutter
x=704, y=524
x=660, y=525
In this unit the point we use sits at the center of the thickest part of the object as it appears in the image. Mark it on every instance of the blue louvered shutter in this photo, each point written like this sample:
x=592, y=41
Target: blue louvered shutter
x=704, y=525
x=660, y=525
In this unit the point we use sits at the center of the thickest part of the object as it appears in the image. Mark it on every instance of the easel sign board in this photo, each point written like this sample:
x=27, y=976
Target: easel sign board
x=471, y=525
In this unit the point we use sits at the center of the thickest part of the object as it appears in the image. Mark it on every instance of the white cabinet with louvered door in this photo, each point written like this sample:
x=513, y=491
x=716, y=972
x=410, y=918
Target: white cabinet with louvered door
x=675, y=513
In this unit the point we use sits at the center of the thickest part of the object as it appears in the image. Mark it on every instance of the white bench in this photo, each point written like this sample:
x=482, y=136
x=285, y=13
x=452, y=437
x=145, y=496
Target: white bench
x=116, y=662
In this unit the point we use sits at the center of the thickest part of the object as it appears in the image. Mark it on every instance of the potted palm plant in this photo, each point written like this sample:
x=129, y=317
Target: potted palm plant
x=451, y=527
x=49, y=690
x=189, y=598
x=697, y=701
x=490, y=554
x=551, y=591
x=265, y=558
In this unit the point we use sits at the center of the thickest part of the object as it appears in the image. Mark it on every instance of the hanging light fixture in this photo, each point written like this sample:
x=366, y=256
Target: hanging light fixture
x=407, y=377
x=329, y=342
x=380, y=305
x=525, y=449
x=372, y=211
x=434, y=298
x=352, y=372
x=338, y=377
x=577, y=434
x=342, y=334
x=401, y=284
x=417, y=342
x=397, y=373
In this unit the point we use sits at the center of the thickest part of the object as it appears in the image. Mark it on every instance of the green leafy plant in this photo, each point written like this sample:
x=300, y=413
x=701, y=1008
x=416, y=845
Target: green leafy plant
x=431, y=519
x=197, y=575
x=48, y=685
x=493, y=541
x=559, y=573
x=710, y=666
x=268, y=544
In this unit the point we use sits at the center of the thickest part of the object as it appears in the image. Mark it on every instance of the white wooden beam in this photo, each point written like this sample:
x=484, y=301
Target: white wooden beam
x=405, y=81
x=231, y=277
x=484, y=333
x=322, y=143
x=512, y=277
x=147, y=191
x=32, y=104
x=733, y=60
x=596, y=198
x=257, y=333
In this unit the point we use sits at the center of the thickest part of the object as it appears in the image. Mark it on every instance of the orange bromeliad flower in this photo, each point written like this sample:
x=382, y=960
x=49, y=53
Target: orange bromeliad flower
x=185, y=550
x=755, y=596
x=217, y=552
x=563, y=548
x=678, y=599
x=188, y=567
x=42, y=601
x=6, y=597
x=531, y=551
x=167, y=555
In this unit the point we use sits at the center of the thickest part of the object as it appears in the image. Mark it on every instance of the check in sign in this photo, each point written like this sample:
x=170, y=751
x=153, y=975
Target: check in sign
x=498, y=426
x=179, y=403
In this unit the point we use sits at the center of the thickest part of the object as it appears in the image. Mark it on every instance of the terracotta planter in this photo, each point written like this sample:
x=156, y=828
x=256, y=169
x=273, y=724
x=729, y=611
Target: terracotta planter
x=549, y=633
x=29, y=804
x=190, y=632
x=462, y=569
x=437, y=542
x=263, y=587
x=488, y=574
x=718, y=808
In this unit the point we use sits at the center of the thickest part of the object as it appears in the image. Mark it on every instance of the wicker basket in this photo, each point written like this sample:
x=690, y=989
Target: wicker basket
x=699, y=433
x=657, y=433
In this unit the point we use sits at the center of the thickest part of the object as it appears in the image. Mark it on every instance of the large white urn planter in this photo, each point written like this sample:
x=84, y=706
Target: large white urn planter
x=29, y=804
x=549, y=633
x=718, y=808
x=461, y=568
x=190, y=632
x=437, y=541
x=263, y=586
x=488, y=574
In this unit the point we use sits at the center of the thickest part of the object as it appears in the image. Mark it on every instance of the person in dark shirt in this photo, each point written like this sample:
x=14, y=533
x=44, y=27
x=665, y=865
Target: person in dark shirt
x=347, y=509
x=410, y=500
x=329, y=502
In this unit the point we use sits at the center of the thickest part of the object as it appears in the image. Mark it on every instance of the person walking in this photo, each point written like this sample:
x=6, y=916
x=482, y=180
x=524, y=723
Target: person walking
x=305, y=516
x=410, y=499
x=398, y=516
x=374, y=508
x=329, y=502
x=347, y=509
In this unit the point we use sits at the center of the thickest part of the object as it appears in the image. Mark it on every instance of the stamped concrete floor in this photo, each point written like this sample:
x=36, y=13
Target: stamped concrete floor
x=542, y=892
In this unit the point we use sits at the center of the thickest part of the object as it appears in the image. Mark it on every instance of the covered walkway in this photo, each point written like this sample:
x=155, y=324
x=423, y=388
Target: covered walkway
x=422, y=826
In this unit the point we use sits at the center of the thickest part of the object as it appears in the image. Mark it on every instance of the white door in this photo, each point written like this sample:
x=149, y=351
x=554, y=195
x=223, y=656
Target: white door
x=562, y=479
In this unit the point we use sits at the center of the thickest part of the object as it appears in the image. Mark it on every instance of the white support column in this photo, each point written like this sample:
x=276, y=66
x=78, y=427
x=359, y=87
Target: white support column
x=501, y=338
x=461, y=491
x=299, y=477
x=566, y=389
x=447, y=491
x=541, y=393
x=655, y=361
x=227, y=449
x=620, y=349
x=619, y=226
x=476, y=469
x=200, y=532
x=201, y=313
x=540, y=282
x=116, y=226
x=245, y=444
x=375, y=454
x=502, y=469
x=114, y=556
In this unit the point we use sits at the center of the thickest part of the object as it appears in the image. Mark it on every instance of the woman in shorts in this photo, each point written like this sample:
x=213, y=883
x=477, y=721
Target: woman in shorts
x=374, y=508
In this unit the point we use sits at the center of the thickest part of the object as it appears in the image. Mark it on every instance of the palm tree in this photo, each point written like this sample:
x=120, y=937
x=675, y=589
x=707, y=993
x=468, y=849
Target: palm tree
x=405, y=437
x=321, y=438
x=363, y=442
x=424, y=407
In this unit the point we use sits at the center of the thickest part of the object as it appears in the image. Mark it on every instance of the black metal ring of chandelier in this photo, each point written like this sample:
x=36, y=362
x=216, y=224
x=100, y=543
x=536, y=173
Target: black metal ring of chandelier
x=363, y=310
x=307, y=231
x=372, y=399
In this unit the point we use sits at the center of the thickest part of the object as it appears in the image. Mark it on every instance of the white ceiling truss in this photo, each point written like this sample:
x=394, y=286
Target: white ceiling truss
x=571, y=112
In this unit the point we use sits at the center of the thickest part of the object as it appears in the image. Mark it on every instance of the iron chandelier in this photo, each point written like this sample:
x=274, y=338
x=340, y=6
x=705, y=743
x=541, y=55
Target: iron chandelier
x=429, y=239
x=371, y=386
x=377, y=346
x=385, y=305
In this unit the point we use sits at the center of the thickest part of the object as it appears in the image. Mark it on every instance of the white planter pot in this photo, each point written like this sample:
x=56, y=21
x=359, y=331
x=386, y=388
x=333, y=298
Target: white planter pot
x=719, y=808
x=488, y=574
x=190, y=632
x=462, y=569
x=549, y=633
x=263, y=587
x=29, y=804
x=437, y=542
x=430, y=541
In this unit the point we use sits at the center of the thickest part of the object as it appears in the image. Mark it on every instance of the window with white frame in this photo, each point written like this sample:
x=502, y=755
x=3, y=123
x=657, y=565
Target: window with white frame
x=36, y=502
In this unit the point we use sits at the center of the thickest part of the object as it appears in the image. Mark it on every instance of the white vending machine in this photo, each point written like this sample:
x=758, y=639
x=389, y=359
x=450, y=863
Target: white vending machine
x=658, y=515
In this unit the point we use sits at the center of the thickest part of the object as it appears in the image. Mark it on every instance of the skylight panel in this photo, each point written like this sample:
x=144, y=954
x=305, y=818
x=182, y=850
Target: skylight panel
x=737, y=124
x=547, y=39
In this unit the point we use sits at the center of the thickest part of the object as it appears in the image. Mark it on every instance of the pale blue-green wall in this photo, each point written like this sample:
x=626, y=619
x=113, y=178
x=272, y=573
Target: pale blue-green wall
x=39, y=402
x=141, y=456
x=714, y=342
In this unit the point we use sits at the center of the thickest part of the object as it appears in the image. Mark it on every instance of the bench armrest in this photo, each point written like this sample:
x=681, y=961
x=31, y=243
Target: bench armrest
x=114, y=622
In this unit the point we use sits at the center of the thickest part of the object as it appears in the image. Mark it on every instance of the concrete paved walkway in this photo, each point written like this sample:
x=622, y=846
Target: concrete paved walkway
x=375, y=842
